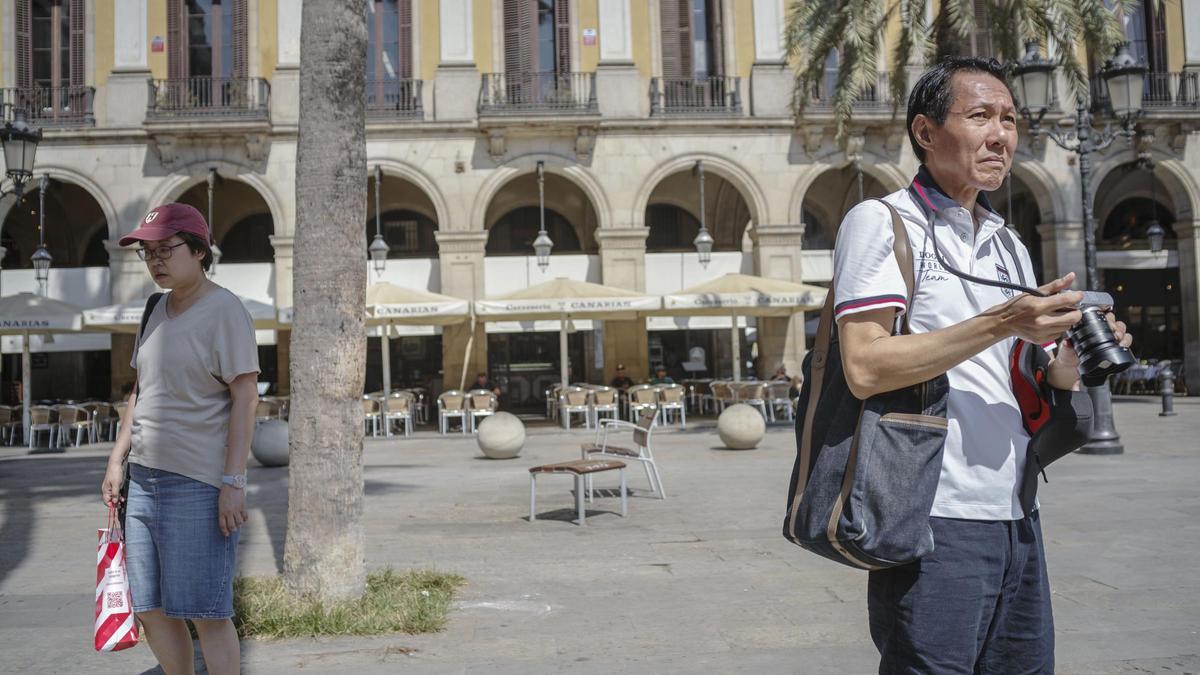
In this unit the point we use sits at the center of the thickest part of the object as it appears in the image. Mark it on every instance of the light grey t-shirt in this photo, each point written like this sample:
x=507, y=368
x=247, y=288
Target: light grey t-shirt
x=185, y=365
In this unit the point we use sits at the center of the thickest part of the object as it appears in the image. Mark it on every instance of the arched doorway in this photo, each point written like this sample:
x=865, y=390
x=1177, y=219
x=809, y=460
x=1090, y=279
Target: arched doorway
x=523, y=358
x=241, y=220
x=829, y=198
x=76, y=229
x=682, y=344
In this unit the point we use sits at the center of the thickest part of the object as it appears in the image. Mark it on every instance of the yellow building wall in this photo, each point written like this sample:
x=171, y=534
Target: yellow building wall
x=103, y=47
x=483, y=35
x=639, y=19
x=743, y=36
x=430, y=39
x=589, y=17
x=268, y=37
x=156, y=25
x=1175, y=47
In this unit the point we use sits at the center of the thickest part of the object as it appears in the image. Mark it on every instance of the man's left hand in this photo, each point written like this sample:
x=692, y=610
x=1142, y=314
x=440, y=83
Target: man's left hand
x=231, y=509
x=1063, y=371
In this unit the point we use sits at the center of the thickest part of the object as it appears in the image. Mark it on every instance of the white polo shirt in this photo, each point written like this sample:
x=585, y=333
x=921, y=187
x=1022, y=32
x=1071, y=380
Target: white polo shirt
x=986, y=440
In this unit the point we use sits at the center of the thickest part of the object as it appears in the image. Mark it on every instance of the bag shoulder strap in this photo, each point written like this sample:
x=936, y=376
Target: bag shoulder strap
x=151, y=302
x=902, y=249
x=1006, y=238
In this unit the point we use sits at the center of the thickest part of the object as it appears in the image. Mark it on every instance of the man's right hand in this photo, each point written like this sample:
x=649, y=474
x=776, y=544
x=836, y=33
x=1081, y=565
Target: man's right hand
x=1042, y=320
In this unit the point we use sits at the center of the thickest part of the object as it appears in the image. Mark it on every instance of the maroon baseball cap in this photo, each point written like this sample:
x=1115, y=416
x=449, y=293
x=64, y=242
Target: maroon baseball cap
x=169, y=219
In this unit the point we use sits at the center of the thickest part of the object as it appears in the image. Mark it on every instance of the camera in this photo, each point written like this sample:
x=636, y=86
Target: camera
x=1100, y=354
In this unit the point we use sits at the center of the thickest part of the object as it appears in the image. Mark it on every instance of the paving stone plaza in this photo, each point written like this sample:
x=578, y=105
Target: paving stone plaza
x=699, y=583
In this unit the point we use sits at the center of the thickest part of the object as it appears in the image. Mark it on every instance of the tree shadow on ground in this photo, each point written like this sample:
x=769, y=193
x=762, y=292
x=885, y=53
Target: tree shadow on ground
x=26, y=481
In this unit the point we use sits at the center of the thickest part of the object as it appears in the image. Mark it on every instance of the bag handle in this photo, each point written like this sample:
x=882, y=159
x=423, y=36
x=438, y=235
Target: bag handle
x=820, y=353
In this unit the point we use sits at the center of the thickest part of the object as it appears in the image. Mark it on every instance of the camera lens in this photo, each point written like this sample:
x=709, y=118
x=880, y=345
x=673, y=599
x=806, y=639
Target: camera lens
x=1100, y=355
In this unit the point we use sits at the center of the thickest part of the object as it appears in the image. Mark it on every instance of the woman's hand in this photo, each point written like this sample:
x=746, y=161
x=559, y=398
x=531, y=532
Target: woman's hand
x=110, y=488
x=231, y=509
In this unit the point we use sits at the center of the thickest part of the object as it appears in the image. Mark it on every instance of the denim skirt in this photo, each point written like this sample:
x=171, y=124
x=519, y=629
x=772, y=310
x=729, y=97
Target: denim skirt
x=177, y=558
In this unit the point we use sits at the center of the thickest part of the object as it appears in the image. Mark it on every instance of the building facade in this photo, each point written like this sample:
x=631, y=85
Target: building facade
x=150, y=101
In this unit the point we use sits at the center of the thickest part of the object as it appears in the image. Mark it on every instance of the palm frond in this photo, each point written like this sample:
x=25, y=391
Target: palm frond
x=914, y=37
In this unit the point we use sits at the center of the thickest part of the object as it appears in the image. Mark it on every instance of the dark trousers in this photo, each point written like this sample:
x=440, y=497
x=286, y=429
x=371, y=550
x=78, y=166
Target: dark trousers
x=979, y=603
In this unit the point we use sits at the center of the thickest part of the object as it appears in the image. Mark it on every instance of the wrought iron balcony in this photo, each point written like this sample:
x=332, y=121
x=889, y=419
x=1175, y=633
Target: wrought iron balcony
x=876, y=96
x=717, y=95
x=526, y=93
x=209, y=98
x=52, y=106
x=389, y=99
x=1161, y=92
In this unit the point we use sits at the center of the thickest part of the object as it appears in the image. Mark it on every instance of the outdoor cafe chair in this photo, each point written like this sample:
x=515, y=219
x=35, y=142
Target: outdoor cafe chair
x=553, y=396
x=266, y=410
x=604, y=400
x=642, y=397
x=640, y=452
x=451, y=404
x=483, y=403
x=42, y=418
x=671, y=400
x=400, y=408
x=753, y=394
x=779, y=400
x=575, y=400
x=77, y=420
x=10, y=422
x=715, y=397
x=105, y=421
x=371, y=414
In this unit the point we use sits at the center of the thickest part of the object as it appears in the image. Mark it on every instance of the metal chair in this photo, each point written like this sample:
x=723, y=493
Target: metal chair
x=452, y=404
x=779, y=398
x=483, y=404
x=575, y=400
x=399, y=408
x=640, y=452
x=604, y=400
x=43, y=418
x=671, y=400
x=371, y=414
x=642, y=397
x=10, y=421
x=753, y=394
x=77, y=420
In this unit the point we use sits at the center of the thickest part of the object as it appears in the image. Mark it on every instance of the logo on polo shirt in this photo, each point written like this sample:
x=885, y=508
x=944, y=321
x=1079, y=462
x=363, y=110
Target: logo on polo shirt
x=1002, y=275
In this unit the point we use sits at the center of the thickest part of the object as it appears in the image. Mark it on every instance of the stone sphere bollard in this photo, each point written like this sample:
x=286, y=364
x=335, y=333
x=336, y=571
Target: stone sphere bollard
x=270, y=443
x=501, y=436
x=741, y=427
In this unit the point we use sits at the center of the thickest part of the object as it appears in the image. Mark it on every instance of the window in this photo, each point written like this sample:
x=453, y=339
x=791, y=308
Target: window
x=389, y=40
x=537, y=36
x=207, y=38
x=692, y=38
x=49, y=43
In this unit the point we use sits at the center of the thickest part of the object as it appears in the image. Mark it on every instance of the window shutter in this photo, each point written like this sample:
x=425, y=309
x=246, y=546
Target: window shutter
x=23, y=18
x=241, y=39
x=983, y=30
x=562, y=36
x=176, y=41
x=404, y=14
x=78, y=44
x=716, y=35
x=519, y=18
x=675, y=16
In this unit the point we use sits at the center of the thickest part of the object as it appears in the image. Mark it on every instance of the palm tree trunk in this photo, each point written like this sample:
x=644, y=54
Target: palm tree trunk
x=323, y=555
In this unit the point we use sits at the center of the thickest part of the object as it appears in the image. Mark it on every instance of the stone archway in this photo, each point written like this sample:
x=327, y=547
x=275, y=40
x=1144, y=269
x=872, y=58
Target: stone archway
x=511, y=218
x=829, y=197
x=408, y=217
x=673, y=213
x=241, y=219
x=75, y=231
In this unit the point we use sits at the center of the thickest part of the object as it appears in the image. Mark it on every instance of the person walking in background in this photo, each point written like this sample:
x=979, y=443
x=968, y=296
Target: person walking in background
x=186, y=439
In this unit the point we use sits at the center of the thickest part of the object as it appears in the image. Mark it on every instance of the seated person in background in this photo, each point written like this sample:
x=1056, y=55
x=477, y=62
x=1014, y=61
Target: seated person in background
x=781, y=375
x=621, y=381
x=660, y=376
x=482, y=382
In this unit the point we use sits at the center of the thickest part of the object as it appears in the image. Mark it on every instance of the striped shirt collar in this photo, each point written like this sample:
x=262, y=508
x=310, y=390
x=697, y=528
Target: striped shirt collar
x=932, y=199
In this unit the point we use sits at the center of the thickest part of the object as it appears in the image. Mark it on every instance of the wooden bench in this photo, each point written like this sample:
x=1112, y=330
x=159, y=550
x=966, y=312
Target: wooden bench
x=579, y=469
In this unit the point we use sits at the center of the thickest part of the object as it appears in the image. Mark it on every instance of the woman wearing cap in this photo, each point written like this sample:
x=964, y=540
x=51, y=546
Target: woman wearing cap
x=187, y=438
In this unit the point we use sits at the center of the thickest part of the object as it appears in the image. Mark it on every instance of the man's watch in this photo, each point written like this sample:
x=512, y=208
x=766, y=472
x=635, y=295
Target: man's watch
x=237, y=480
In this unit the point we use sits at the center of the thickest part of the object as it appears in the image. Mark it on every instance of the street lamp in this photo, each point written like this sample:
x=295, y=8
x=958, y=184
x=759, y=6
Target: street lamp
x=212, y=239
x=1033, y=81
x=41, y=258
x=703, y=241
x=542, y=244
x=378, y=250
x=20, y=146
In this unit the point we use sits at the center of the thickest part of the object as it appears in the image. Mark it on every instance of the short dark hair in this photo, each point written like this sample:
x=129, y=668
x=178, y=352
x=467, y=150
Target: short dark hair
x=196, y=245
x=934, y=91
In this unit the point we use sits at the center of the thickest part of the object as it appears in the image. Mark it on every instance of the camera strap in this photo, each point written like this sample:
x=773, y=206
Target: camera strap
x=1003, y=234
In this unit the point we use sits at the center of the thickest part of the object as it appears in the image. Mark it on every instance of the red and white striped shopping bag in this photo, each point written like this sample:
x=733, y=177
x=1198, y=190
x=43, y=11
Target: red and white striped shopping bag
x=116, y=628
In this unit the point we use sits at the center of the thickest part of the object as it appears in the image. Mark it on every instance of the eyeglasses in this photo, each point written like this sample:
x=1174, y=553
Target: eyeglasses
x=162, y=252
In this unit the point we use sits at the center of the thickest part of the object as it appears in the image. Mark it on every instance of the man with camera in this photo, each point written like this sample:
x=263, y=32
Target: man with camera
x=980, y=601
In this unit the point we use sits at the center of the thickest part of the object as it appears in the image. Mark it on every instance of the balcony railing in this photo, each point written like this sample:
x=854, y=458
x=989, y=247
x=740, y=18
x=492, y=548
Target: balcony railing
x=523, y=93
x=1160, y=92
x=695, y=96
x=209, y=98
x=52, y=106
x=875, y=96
x=388, y=99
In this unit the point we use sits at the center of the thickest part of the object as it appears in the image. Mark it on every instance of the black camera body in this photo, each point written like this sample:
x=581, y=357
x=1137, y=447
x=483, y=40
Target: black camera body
x=1100, y=354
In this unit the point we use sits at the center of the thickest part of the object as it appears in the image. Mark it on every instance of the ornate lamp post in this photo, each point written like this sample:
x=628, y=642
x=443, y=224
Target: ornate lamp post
x=20, y=147
x=378, y=250
x=703, y=241
x=212, y=229
x=41, y=258
x=1033, y=80
x=542, y=245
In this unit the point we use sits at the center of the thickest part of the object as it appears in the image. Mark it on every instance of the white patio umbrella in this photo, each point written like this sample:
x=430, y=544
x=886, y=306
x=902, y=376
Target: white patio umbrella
x=735, y=295
x=27, y=314
x=566, y=299
x=127, y=317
